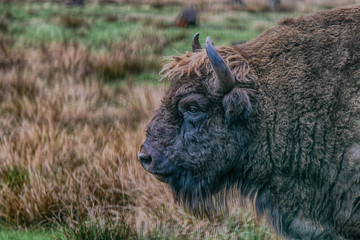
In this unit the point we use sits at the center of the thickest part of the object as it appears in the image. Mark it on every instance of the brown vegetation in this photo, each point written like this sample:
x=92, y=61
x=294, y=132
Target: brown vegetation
x=132, y=55
x=72, y=21
x=9, y=57
x=68, y=143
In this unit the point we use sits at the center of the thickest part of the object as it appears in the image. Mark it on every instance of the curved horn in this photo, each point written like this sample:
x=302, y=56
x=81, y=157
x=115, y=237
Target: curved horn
x=195, y=43
x=224, y=80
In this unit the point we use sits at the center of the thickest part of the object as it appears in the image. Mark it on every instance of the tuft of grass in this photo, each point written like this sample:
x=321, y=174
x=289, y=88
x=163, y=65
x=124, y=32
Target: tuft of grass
x=132, y=56
x=256, y=5
x=69, y=59
x=72, y=21
x=9, y=57
x=99, y=231
x=3, y=24
x=44, y=33
x=111, y=18
x=14, y=177
x=159, y=23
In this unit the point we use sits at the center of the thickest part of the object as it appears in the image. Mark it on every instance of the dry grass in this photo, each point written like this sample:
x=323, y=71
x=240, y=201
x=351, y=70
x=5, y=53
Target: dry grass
x=72, y=21
x=3, y=24
x=132, y=55
x=68, y=144
x=9, y=57
x=68, y=147
x=123, y=58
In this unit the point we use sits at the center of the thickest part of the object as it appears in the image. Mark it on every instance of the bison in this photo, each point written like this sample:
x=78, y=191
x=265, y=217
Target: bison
x=277, y=118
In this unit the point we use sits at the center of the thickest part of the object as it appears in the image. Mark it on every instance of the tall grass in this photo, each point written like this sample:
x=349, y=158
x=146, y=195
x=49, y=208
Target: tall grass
x=133, y=55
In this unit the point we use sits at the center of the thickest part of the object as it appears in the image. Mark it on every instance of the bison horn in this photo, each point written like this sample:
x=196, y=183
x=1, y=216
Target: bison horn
x=195, y=43
x=224, y=80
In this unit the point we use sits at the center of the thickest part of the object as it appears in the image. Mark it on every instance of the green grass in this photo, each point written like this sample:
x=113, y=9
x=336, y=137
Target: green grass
x=6, y=234
x=99, y=231
x=14, y=177
x=35, y=23
x=98, y=26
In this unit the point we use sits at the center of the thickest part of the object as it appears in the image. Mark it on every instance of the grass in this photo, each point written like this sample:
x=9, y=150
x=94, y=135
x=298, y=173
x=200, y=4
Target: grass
x=78, y=86
x=37, y=22
x=6, y=234
x=101, y=28
x=97, y=230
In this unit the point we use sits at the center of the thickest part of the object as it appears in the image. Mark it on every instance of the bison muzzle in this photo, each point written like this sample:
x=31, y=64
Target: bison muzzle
x=277, y=118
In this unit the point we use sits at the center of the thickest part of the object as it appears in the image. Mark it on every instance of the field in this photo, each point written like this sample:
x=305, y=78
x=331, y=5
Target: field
x=77, y=88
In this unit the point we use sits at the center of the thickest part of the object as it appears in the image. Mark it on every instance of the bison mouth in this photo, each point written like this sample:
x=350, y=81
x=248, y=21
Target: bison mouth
x=162, y=177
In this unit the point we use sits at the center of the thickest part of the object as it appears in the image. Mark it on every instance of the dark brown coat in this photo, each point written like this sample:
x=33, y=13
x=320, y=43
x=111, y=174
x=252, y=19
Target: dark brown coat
x=287, y=135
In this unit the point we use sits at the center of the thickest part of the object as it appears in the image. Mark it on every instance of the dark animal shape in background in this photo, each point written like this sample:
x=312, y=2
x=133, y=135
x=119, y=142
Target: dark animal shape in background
x=75, y=3
x=277, y=117
x=188, y=17
x=237, y=2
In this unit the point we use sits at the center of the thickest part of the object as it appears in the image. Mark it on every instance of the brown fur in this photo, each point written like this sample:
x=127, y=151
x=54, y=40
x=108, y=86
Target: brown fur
x=287, y=135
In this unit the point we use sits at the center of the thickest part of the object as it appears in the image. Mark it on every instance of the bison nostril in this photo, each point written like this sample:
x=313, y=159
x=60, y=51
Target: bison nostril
x=144, y=159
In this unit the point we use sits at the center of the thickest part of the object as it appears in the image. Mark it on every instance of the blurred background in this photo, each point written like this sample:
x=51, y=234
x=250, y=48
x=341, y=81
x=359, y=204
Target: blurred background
x=78, y=83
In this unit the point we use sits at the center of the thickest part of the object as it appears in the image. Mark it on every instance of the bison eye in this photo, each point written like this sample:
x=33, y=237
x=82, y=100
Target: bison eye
x=193, y=109
x=190, y=110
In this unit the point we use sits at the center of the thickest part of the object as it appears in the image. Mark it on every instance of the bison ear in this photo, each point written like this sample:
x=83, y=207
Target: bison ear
x=237, y=106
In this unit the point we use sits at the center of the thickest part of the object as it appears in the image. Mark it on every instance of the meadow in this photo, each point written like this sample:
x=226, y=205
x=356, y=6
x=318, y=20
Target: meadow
x=77, y=88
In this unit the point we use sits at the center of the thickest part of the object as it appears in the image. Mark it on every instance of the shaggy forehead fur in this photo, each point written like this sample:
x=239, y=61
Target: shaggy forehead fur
x=197, y=65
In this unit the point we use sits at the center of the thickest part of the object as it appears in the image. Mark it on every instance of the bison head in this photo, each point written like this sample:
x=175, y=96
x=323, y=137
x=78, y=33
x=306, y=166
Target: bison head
x=197, y=139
